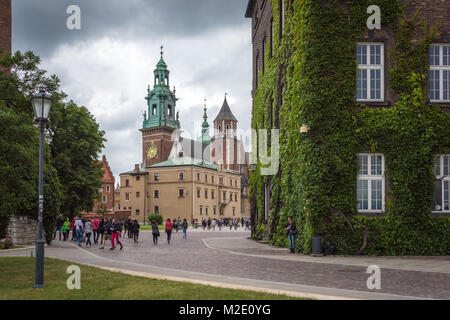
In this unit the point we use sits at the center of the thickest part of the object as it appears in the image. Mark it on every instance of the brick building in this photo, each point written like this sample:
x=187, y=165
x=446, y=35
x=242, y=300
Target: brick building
x=372, y=88
x=106, y=192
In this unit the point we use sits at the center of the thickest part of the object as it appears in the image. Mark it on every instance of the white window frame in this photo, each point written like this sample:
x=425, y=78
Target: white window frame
x=370, y=67
x=442, y=178
x=370, y=178
x=108, y=189
x=440, y=68
x=104, y=198
x=127, y=196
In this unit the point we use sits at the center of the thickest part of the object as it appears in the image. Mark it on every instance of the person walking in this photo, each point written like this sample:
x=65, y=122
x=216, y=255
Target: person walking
x=168, y=229
x=203, y=224
x=66, y=229
x=178, y=223
x=95, y=223
x=135, y=226
x=116, y=227
x=219, y=224
x=213, y=224
x=155, y=232
x=196, y=223
x=100, y=231
x=72, y=227
x=88, y=229
x=209, y=224
x=107, y=230
x=58, y=226
x=185, y=226
x=247, y=224
x=230, y=224
x=79, y=230
x=291, y=232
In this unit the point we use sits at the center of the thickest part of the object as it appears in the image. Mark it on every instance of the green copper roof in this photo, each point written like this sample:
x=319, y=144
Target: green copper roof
x=185, y=161
x=161, y=64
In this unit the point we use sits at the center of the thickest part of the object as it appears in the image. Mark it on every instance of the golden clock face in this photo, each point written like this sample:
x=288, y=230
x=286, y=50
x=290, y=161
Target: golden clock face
x=152, y=151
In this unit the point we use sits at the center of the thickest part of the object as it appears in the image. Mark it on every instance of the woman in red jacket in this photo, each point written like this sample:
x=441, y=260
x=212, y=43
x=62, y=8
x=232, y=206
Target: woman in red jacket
x=168, y=229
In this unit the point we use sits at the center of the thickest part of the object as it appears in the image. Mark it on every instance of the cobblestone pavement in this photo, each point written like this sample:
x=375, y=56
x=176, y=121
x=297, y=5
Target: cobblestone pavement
x=229, y=256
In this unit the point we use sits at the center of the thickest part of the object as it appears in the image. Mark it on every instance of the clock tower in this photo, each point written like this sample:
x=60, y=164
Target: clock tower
x=160, y=118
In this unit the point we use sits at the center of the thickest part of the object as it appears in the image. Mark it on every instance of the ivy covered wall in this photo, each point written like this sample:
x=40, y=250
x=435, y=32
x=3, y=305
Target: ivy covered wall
x=311, y=78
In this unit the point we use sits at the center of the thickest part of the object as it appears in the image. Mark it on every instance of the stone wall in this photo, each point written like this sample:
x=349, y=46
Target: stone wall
x=22, y=230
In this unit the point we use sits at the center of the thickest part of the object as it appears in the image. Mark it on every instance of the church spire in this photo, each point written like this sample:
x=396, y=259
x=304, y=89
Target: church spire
x=205, y=126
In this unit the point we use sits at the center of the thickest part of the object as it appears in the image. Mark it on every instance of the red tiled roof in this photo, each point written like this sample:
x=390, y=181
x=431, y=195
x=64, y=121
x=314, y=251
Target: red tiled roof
x=108, y=176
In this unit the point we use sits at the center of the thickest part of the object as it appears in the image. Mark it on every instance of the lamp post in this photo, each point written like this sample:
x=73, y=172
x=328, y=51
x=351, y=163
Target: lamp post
x=41, y=106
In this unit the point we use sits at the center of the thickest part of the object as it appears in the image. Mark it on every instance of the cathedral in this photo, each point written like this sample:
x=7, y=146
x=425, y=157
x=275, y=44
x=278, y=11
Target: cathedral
x=180, y=177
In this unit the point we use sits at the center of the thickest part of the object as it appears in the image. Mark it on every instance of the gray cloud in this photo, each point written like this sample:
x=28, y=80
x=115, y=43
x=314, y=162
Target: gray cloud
x=107, y=65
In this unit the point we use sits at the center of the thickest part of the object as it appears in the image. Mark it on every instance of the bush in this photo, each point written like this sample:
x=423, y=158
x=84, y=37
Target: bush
x=157, y=217
x=6, y=243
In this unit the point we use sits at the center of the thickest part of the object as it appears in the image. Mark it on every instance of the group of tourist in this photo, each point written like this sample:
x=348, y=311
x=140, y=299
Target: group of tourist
x=101, y=229
x=232, y=223
x=169, y=226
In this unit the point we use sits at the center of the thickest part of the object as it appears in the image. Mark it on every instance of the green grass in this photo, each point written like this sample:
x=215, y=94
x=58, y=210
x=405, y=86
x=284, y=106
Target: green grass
x=13, y=247
x=17, y=279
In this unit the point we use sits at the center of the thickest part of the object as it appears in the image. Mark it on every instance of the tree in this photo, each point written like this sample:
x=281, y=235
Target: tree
x=19, y=145
x=76, y=142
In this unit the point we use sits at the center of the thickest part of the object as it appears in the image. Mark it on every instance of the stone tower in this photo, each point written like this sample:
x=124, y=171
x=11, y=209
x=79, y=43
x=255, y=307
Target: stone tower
x=225, y=150
x=160, y=118
x=206, y=139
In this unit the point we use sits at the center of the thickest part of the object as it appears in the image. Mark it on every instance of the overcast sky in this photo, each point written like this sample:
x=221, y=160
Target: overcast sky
x=108, y=63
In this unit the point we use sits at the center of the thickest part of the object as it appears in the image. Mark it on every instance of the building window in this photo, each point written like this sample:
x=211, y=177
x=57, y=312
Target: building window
x=154, y=109
x=156, y=193
x=231, y=182
x=108, y=189
x=180, y=193
x=180, y=176
x=221, y=180
x=370, y=77
x=235, y=196
x=127, y=183
x=201, y=210
x=234, y=212
x=206, y=178
x=212, y=179
x=231, y=196
x=198, y=176
x=215, y=210
x=156, y=209
x=127, y=196
x=198, y=193
x=138, y=178
x=156, y=177
x=104, y=198
x=441, y=201
x=206, y=210
x=224, y=196
x=206, y=194
x=221, y=212
x=256, y=70
x=137, y=212
x=370, y=190
x=235, y=183
x=212, y=194
x=138, y=194
x=440, y=73
x=169, y=111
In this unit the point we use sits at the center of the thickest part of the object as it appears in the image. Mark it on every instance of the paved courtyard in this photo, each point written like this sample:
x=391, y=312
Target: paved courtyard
x=231, y=259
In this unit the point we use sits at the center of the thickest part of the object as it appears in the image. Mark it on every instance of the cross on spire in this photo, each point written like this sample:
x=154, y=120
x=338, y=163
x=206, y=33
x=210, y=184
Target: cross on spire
x=162, y=51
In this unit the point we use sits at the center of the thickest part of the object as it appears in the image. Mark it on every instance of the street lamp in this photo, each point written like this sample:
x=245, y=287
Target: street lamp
x=41, y=106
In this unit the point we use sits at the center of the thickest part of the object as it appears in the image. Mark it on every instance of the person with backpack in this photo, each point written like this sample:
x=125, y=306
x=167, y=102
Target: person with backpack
x=185, y=226
x=155, y=232
x=79, y=230
x=291, y=232
x=168, y=228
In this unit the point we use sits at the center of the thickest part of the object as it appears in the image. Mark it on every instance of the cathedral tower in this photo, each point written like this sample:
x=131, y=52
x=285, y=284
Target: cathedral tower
x=160, y=118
